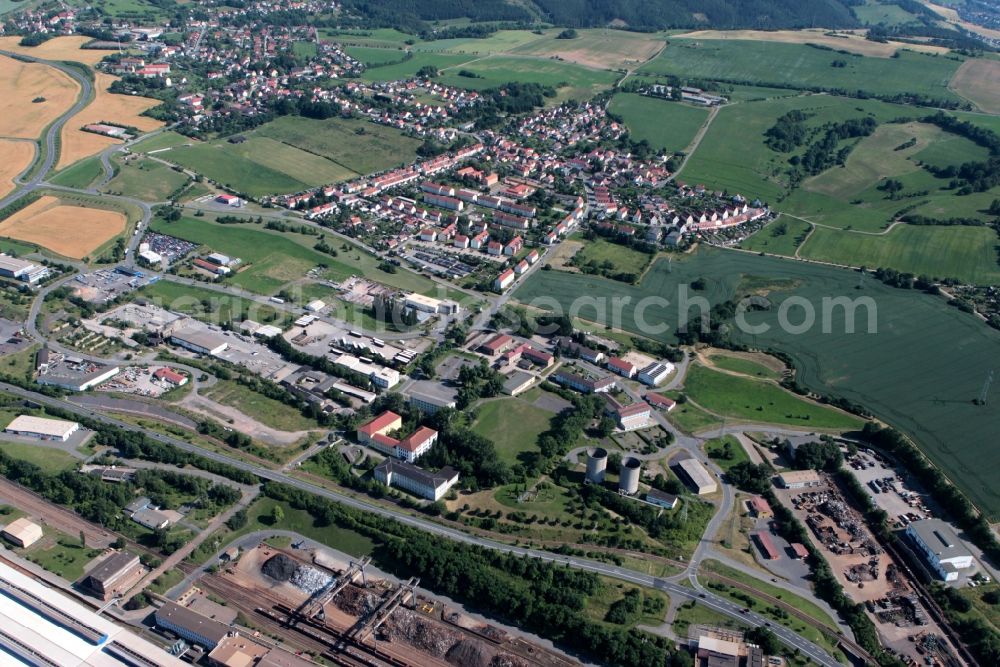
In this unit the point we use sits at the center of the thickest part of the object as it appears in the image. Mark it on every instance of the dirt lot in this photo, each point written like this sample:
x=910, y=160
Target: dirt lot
x=71, y=231
x=20, y=84
x=979, y=80
x=16, y=158
x=58, y=48
x=854, y=43
x=564, y=252
x=106, y=107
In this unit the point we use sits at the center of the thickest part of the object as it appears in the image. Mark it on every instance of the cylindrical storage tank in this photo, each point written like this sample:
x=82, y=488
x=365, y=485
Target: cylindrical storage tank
x=597, y=463
x=628, y=479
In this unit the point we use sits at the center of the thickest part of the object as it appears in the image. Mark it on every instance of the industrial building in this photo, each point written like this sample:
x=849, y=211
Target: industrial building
x=41, y=626
x=42, y=428
x=416, y=480
x=760, y=508
x=72, y=373
x=23, y=270
x=766, y=545
x=116, y=573
x=696, y=476
x=170, y=376
x=655, y=373
x=431, y=305
x=199, y=341
x=664, y=500
x=940, y=548
x=799, y=479
x=22, y=532
x=381, y=376
x=191, y=625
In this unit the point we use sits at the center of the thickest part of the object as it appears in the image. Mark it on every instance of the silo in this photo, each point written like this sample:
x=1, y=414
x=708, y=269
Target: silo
x=628, y=478
x=597, y=463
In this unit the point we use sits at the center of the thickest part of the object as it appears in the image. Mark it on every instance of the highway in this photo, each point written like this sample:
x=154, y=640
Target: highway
x=706, y=598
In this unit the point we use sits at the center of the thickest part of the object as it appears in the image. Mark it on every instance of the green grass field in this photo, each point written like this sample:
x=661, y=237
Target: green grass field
x=379, y=37
x=931, y=400
x=665, y=125
x=50, y=460
x=744, y=366
x=751, y=400
x=781, y=237
x=146, y=179
x=513, y=425
x=802, y=66
x=573, y=80
x=621, y=257
x=373, y=56
x=968, y=254
x=874, y=13
x=266, y=410
x=164, y=139
x=716, y=450
x=354, y=145
x=205, y=304
x=79, y=175
x=64, y=555
x=258, y=166
x=410, y=66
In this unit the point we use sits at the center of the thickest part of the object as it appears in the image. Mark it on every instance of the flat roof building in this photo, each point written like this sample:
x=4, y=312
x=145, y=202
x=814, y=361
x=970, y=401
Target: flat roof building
x=199, y=341
x=665, y=500
x=431, y=403
x=75, y=374
x=191, y=625
x=518, y=382
x=697, y=477
x=42, y=428
x=799, y=479
x=19, y=269
x=22, y=532
x=940, y=547
x=429, y=485
x=118, y=571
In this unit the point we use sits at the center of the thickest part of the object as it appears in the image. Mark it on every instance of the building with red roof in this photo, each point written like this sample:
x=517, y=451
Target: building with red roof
x=660, y=401
x=766, y=546
x=799, y=550
x=760, y=507
x=497, y=345
x=375, y=435
x=171, y=376
x=621, y=367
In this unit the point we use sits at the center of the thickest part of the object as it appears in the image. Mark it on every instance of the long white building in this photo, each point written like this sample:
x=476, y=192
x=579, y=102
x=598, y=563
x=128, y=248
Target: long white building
x=940, y=547
x=42, y=428
x=416, y=480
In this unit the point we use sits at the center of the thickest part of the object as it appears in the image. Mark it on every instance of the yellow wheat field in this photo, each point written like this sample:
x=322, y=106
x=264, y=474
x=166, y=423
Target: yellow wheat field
x=71, y=231
x=17, y=156
x=106, y=106
x=57, y=48
x=853, y=42
x=20, y=83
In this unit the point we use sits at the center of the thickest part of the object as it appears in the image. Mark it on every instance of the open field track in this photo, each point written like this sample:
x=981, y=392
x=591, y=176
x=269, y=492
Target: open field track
x=71, y=231
x=105, y=107
x=17, y=155
x=20, y=84
x=978, y=80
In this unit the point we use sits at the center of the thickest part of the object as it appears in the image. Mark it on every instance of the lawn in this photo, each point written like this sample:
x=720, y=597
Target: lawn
x=373, y=56
x=726, y=452
x=690, y=418
x=690, y=613
x=258, y=166
x=803, y=66
x=621, y=258
x=664, y=124
x=513, y=425
x=782, y=236
x=968, y=254
x=50, y=460
x=161, y=141
x=60, y=554
x=354, y=145
x=743, y=366
x=267, y=411
x=259, y=514
x=146, y=179
x=753, y=400
x=80, y=175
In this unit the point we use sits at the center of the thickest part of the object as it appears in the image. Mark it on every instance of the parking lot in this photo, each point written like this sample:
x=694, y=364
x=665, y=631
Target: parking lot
x=169, y=248
x=887, y=490
x=105, y=285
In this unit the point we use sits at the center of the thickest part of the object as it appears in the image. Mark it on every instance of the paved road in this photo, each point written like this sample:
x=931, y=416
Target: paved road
x=707, y=598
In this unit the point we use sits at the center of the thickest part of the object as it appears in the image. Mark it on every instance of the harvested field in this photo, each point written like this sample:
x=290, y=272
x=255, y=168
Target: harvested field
x=57, y=48
x=600, y=49
x=978, y=80
x=17, y=156
x=106, y=107
x=20, y=83
x=848, y=41
x=71, y=231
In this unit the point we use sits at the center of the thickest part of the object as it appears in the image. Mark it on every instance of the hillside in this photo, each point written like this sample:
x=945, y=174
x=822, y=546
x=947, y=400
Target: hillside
x=649, y=14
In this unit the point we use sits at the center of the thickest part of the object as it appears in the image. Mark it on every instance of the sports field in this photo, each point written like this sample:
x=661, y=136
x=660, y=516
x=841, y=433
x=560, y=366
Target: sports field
x=17, y=155
x=105, y=107
x=258, y=166
x=968, y=254
x=58, y=48
x=22, y=83
x=71, y=231
x=798, y=65
x=355, y=146
x=664, y=124
x=855, y=43
x=931, y=399
x=979, y=80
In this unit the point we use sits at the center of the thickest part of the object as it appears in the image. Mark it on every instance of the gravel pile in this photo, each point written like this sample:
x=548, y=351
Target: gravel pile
x=280, y=567
x=430, y=637
x=284, y=569
x=356, y=602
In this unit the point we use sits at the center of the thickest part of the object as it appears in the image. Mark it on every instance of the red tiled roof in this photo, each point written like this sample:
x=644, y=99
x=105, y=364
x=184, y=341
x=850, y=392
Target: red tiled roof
x=169, y=375
x=379, y=423
x=419, y=437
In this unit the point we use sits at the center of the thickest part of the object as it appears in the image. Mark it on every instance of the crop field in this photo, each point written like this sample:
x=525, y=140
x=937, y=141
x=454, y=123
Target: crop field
x=502, y=41
x=20, y=84
x=665, y=125
x=599, y=49
x=105, y=107
x=931, y=400
x=353, y=145
x=258, y=166
x=966, y=253
x=979, y=80
x=17, y=155
x=513, y=425
x=756, y=401
x=373, y=56
x=855, y=43
x=71, y=231
x=57, y=48
x=146, y=179
x=409, y=67
x=798, y=65
x=379, y=37
x=494, y=71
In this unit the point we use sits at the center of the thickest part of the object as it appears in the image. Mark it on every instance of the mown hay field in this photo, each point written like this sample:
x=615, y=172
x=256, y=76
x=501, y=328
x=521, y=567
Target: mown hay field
x=20, y=84
x=57, y=48
x=70, y=231
x=17, y=156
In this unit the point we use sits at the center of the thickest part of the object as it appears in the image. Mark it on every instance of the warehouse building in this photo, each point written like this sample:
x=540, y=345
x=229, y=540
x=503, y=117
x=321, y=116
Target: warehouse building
x=42, y=428
x=41, y=626
x=19, y=269
x=72, y=373
x=940, y=548
x=664, y=500
x=191, y=625
x=22, y=532
x=431, y=305
x=199, y=341
x=416, y=480
x=655, y=373
x=799, y=479
x=696, y=476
